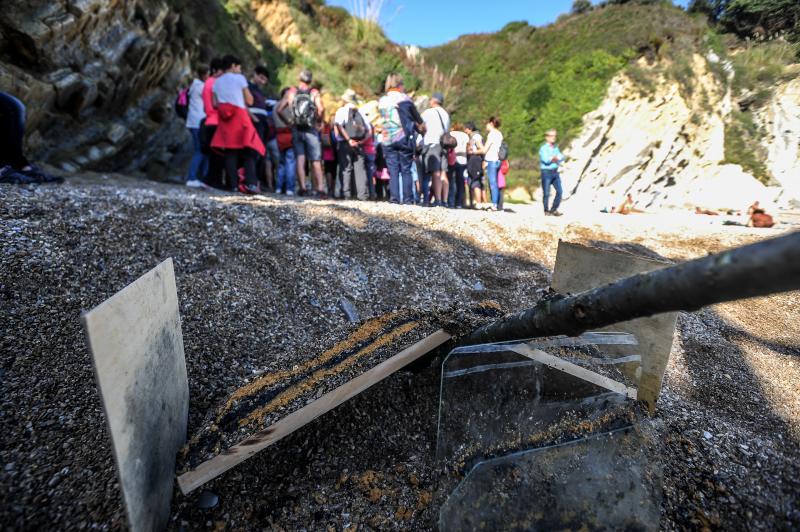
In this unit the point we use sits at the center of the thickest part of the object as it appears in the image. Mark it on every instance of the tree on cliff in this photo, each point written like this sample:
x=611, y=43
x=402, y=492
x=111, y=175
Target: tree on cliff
x=753, y=18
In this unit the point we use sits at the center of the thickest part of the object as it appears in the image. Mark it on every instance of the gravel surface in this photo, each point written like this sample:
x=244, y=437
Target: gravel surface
x=260, y=282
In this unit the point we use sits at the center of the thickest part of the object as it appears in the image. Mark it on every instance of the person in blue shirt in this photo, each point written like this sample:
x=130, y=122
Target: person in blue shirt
x=550, y=158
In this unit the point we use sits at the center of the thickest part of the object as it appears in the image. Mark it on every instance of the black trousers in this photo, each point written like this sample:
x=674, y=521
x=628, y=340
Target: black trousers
x=12, y=132
x=245, y=158
x=216, y=160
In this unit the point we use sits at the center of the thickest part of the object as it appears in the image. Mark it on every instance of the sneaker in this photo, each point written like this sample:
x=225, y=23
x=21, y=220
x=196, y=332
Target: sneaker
x=250, y=189
x=195, y=183
x=555, y=213
x=290, y=192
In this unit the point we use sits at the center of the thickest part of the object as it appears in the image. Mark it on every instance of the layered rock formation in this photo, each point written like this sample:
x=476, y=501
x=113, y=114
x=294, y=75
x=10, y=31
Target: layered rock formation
x=667, y=148
x=98, y=78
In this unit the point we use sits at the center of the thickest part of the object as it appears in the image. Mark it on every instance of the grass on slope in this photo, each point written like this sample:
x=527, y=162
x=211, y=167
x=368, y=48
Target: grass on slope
x=539, y=78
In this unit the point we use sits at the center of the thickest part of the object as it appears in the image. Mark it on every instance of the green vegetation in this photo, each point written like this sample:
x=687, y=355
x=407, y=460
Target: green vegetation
x=741, y=145
x=757, y=67
x=535, y=79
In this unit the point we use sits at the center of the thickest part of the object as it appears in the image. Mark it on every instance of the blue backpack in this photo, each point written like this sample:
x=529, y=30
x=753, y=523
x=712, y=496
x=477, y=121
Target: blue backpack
x=407, y=113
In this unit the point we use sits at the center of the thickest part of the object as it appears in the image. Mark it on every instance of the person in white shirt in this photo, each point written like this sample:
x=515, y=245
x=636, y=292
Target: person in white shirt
x=236, y=133
x=352, y=131
x=491, y=157
x=458, y=173
x=199, y=163
x=475, y=165
x=437, y=123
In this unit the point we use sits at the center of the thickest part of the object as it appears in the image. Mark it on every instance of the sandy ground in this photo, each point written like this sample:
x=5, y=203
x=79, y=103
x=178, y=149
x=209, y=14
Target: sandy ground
x=259, y=281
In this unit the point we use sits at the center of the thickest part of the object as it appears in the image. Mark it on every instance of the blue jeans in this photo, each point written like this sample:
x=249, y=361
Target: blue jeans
x=370, y=157
x=399, y=157
x=492, y=168
x=551, y=178
x=198, y=167
x=286, y=171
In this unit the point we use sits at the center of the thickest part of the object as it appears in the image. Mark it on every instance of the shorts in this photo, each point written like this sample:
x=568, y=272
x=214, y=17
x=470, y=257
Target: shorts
x=435, y=158
x=306, y=143
x=475, y=171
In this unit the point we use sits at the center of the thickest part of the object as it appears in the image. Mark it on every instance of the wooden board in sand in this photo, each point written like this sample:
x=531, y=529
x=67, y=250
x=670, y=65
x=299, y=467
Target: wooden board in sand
x=251, y=445
x=137, y=347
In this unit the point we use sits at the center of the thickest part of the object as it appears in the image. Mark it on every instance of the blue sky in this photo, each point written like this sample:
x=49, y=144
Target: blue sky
x=431, y=22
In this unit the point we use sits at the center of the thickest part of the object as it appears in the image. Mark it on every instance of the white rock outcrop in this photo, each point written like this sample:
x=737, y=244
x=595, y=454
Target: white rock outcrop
x=666, y=148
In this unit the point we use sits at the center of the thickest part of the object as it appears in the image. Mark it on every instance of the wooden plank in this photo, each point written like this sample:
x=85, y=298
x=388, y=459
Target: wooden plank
x=248, y=447
x=580, y=268
x=137, y=347
x=573, y=369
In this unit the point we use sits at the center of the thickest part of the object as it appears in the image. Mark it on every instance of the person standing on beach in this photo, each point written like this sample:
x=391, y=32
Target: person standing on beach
x=550, y=158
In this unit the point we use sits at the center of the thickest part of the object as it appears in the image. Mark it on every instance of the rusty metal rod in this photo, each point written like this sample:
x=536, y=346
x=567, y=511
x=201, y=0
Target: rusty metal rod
x=759, y=269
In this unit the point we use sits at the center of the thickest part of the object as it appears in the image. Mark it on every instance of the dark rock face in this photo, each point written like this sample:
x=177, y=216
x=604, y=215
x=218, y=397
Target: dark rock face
x=98, y=78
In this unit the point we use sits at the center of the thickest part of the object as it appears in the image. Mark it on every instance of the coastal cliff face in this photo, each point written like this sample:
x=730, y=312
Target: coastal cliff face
x=667, y=147
x=98, y=78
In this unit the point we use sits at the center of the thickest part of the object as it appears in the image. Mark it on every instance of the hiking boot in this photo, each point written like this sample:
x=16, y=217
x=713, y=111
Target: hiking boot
x=555, y=213
x=250, y=189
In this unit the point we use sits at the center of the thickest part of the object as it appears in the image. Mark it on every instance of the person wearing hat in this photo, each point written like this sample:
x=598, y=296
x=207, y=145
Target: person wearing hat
x=306, y=110
x=352, y=131
x=437, y=123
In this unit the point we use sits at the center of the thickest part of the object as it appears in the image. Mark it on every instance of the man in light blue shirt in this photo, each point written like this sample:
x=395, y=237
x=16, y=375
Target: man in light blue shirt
x=550, y=158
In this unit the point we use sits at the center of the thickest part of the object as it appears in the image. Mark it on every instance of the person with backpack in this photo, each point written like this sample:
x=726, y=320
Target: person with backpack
x=437, y=141
x=194, y=115
x=352, y=131
x=550, y=158
x=491, y=157
x=287, y=166
x=208, y=127
x=399, y=123
x=235, y=133
x=474, y=165
x=305, y=111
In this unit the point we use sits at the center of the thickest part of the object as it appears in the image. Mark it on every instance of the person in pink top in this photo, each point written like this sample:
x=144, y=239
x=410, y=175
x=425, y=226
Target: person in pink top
x=216, y=161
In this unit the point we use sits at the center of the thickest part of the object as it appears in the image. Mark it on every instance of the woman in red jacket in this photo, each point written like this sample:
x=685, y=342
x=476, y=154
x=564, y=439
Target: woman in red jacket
x=236, y=133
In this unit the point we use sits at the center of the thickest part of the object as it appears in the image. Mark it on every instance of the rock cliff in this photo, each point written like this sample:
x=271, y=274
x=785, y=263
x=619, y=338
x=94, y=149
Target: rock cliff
x=98, y=78
x=666, y=147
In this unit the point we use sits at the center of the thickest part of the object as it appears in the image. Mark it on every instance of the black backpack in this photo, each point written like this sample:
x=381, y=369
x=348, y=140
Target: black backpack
x=355, y=127
x=304, y=110
x=502, y=153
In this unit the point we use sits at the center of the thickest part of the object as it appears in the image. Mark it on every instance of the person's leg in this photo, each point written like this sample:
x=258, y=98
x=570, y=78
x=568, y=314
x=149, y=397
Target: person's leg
x=491, y=170
x=406, y=160
x=460, y=179
x=232, y=170
x=360, y=174
x=557, y=184
x=291, y=170
x=197, y=155
x=250, y=164
x=452, y=186
x=346, y=160
x=500, y=194
x=370, y=163
x=298, y=143
x=12, y=132
x=444, y=184
x=280, y=185
x=392, y=157
x=546, y=189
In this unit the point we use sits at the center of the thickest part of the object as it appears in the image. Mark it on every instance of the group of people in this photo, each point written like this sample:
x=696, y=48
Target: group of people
x=381, y=150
